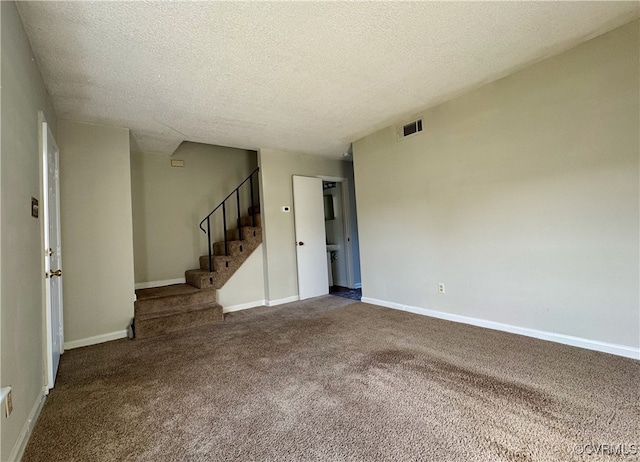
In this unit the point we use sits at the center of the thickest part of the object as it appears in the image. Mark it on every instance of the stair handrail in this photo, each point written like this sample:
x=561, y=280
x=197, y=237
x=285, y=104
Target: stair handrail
x=207, y=219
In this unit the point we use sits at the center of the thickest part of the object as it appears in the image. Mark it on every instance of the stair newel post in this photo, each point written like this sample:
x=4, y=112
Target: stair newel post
x=253, y=217
x=224, y=225
x=209, y=241
x=238, y=205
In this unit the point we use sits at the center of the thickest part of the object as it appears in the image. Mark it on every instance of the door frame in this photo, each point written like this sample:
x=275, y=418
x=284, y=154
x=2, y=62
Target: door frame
x=44, y=129
x=346, y=224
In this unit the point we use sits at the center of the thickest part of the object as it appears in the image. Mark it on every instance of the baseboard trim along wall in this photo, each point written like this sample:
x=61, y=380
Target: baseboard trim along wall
x=95, y=339
x=282, y=301
x=243, y=306
x=604, y=347
x=166, y=282
x=21, y=444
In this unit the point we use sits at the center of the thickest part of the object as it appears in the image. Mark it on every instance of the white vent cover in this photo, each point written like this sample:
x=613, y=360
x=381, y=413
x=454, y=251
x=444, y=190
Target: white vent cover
x=409, y=129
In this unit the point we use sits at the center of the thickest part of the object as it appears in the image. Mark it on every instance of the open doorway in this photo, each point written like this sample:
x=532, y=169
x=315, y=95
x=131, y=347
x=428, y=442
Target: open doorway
x=343, y=263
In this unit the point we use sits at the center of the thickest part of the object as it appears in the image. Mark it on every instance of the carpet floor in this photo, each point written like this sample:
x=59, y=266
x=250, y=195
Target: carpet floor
x=333, y=379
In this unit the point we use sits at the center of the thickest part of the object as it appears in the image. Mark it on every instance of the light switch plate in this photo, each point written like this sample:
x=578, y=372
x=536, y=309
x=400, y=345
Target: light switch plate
x=34, y=207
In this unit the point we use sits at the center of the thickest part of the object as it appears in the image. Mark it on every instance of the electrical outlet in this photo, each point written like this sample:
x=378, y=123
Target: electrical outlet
x=8, y=405
x=441, y=287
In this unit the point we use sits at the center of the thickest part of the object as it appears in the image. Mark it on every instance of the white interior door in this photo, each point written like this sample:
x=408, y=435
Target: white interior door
x=311, y=248
x=53, y=254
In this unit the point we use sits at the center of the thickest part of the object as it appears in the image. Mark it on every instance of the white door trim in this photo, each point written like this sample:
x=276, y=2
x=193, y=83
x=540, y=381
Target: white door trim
x=51, y=343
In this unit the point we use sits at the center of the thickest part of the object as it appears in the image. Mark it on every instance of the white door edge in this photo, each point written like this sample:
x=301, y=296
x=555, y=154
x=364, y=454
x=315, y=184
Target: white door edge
x=310, y=238
x=54, y=337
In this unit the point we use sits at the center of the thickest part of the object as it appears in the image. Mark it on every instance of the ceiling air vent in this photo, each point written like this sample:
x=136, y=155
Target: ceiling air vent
x=410, y=129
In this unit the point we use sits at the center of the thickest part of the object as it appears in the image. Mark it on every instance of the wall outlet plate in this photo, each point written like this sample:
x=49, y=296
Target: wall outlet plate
x=441, y=287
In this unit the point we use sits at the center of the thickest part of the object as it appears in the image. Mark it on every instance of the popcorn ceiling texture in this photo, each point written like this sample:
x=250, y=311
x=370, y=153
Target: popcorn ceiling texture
x=304, y=77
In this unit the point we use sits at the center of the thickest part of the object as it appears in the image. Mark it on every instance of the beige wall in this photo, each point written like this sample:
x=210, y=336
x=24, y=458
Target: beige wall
x=97, y=234
x=277, y=169
x=21, y=274
x=169, y=202
x=245, y=289
x=521, y=196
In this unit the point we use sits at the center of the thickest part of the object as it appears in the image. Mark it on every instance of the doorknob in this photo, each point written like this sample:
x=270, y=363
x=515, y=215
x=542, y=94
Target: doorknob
x=55, y=273
x=300, y=243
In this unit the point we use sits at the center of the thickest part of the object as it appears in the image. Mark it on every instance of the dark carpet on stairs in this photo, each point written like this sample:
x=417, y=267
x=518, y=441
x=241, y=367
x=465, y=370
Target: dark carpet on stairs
x=332, y=379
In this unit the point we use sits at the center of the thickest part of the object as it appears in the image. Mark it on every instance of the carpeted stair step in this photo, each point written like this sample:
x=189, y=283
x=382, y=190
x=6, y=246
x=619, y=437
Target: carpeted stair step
x=238, y=247
x=248, y=233
x=247, y=221
x=235, y=248
x=237, y=253
x=167, y=298
x=200, y=278
x=154, y=324
x=224, y=267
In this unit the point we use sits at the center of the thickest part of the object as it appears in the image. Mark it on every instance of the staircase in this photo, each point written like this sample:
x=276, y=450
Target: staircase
x=161, y=310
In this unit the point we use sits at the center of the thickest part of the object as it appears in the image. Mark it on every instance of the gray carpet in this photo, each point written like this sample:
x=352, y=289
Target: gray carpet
x=332, y=379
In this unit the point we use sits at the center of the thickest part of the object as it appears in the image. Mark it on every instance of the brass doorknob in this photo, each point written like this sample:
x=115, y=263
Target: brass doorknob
x=55, y=273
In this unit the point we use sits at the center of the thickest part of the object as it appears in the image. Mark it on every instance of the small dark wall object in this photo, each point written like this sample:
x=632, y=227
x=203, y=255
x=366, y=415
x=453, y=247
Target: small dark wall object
x=34, y=207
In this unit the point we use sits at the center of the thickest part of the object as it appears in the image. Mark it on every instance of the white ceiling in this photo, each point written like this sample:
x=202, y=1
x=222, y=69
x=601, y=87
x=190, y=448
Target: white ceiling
x=305, y=77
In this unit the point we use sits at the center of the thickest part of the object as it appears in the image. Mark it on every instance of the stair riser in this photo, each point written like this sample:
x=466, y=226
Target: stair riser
x=220, y=260
x=248, y=233
x=146, y=328
x=199, y=280
x=224, y=267
x=246, y=221
x=158, y=305
x=223, y=275
x=234, y=248
x=223, y=271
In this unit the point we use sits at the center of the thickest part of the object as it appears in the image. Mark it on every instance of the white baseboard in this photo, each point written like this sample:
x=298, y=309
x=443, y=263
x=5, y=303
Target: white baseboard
x=21, y=444
x=358, y=285
x=243, y=306
x=281, y=301
x=167, y=282
x=96, y=339
x=612, y=348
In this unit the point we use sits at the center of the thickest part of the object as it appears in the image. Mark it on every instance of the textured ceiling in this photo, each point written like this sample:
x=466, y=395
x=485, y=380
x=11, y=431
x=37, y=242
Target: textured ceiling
x=304, y=77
